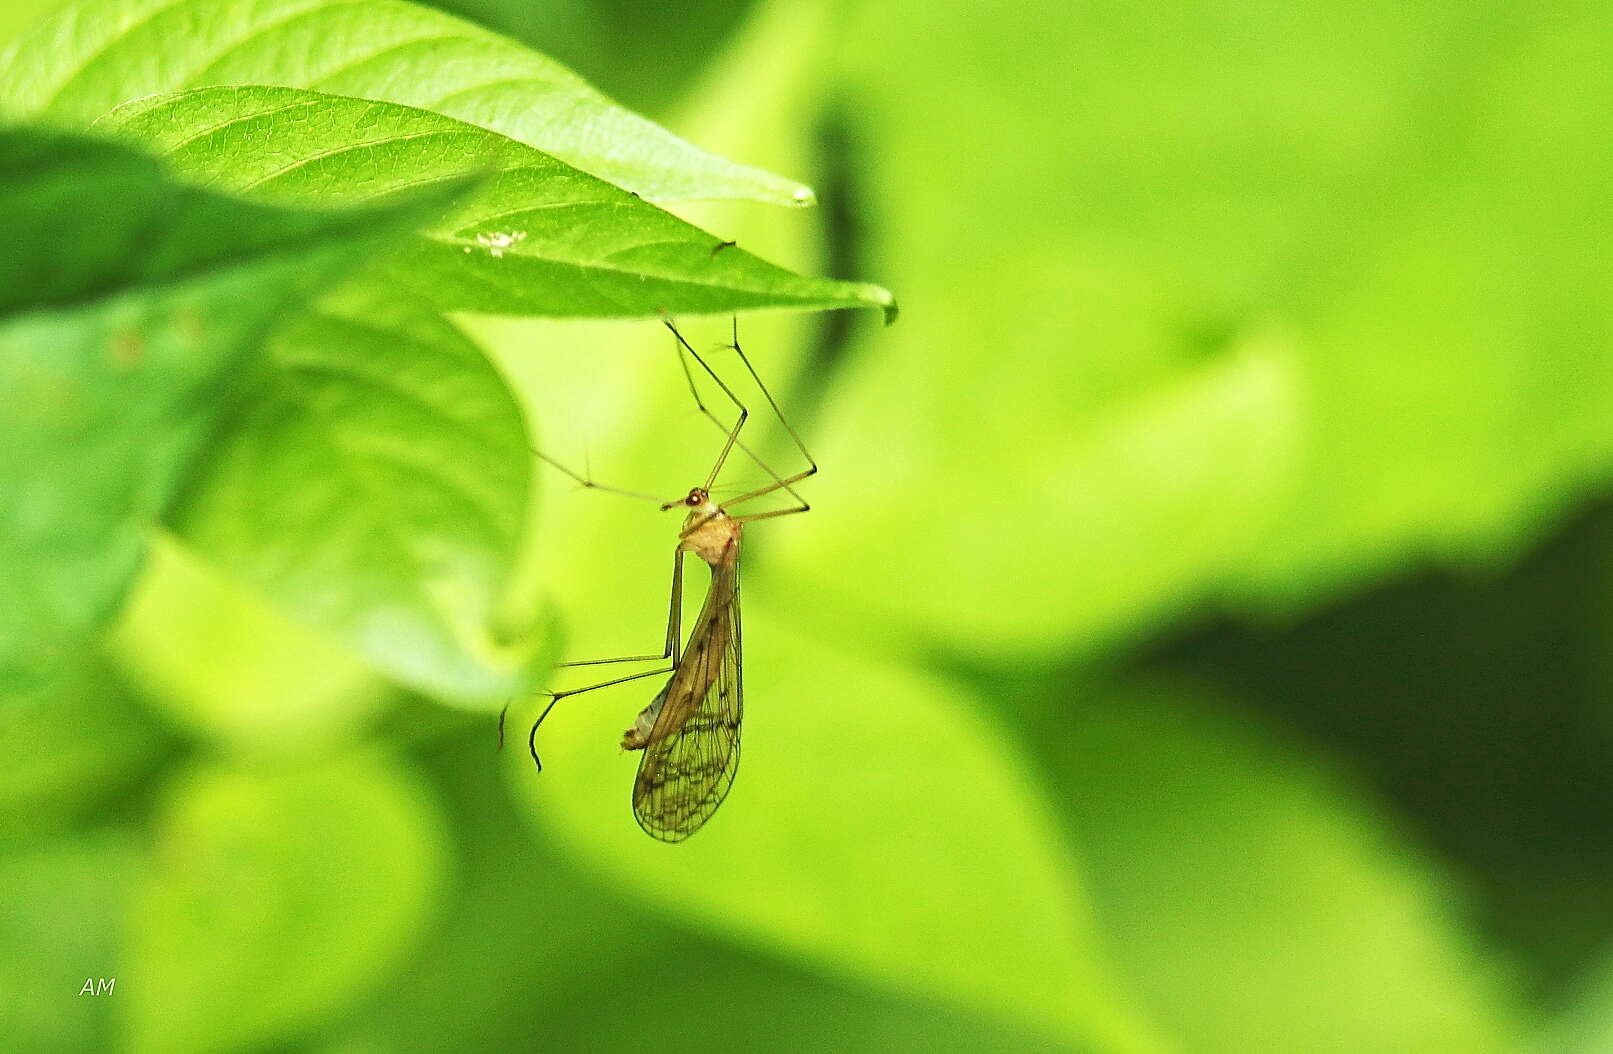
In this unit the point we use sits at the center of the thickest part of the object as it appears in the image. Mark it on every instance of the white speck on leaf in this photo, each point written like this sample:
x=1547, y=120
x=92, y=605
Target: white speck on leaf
x=495, y=243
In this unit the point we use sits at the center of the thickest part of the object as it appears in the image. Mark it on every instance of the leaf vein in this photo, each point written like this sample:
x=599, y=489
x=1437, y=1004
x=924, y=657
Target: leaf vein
x=346, y=148
x=106, y=48
x=399, y=45
x=256, y=33
x=174, y=148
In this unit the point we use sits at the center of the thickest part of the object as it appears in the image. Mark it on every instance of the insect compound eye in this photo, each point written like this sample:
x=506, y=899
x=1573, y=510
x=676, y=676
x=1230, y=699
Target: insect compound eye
x=694, y=498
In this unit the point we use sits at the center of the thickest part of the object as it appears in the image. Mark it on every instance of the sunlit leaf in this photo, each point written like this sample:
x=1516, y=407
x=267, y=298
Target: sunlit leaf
x=597, y=950
x=127, y=305
x=375, y=485
x=644, y=55
x=219, y=659
x=540, y=238
x=1460, y=353
x=98, y=54
x=1401, y=270
x=1102, y=517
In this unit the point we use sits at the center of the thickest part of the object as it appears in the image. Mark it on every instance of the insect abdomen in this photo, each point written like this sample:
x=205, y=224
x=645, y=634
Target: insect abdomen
x=638, y=737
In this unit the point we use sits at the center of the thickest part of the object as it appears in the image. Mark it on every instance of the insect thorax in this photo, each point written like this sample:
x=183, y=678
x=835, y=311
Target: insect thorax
x=710, y=532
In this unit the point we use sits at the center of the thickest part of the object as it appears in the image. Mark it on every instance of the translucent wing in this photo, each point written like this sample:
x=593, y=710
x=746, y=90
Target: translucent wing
x=693, y=752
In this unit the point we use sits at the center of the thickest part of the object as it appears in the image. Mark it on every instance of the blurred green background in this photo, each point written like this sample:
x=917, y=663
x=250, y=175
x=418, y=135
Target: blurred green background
x=1202, y=640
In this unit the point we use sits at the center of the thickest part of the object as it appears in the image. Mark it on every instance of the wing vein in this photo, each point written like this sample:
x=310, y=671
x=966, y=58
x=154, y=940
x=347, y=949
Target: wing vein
x=693, y=750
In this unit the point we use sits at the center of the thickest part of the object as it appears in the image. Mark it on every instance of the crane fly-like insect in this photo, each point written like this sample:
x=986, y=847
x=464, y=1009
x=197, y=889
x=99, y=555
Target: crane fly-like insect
x=689, y=733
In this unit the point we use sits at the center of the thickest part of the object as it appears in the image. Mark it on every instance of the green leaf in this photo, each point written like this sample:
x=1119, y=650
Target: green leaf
x=1258, y=905
x=219, y=659
x=98, y=54
x=70, y=744
x=1586, y=1025
x=128, y=304
x=275, y=898
x=599, y=953
x=1188, y=409
x=1409, y=201
x=1466, y=392
x=643, y=54
x=60, y=930
x=860, y=778
x=376, y=486
x=538, y=238
x=1108, y=434
x=1104, y=526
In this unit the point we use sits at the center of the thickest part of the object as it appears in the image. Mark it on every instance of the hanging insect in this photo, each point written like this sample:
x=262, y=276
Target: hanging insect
x=689, y=733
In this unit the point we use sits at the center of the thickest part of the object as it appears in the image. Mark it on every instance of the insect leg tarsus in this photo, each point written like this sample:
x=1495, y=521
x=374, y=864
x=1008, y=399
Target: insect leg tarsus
x=532, y=736
x=555, y=697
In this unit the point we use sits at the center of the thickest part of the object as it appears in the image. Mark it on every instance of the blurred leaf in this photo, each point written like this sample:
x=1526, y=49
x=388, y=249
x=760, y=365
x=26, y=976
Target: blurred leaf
x=1110, y=434
x=1478, y=708
x=98, y=54
x=1103, y=518
x=1586, y=1026
x=214, y=656
x=881, y=829
x=1281, y=313
x=127, y=304
x=21, y=14
x=1255, y=904
x=516, y=913
x=70, y=744
x=375, y=486
x=569, y=952
x=1461, y=314
x=540, y=238
x=276, y=898
x=60, y=928
x=643, y=54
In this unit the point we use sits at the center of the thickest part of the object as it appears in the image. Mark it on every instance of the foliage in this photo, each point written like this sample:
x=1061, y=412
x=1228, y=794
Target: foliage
x=123, y=328
x=1214, y=320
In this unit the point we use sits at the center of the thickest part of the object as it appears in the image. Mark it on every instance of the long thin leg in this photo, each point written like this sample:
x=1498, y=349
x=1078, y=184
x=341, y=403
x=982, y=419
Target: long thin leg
x=589, y=483
x=769, y=489
x=779, y=483
x=674, y=625
x=783, y=484
x=777, y=412
x=673, y=649
x=555, y=697
x=744, y=414
x=771, y=513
